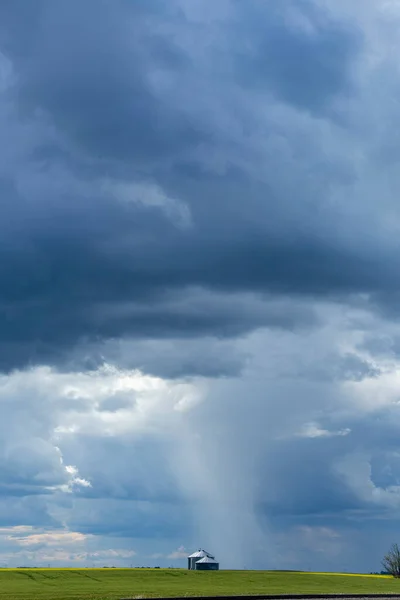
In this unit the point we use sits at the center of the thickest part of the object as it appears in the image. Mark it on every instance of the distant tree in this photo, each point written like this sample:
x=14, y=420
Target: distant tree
x=391, y=561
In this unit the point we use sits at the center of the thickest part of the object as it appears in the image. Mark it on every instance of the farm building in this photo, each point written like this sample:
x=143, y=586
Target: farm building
x=207, y=564
x=203, y=557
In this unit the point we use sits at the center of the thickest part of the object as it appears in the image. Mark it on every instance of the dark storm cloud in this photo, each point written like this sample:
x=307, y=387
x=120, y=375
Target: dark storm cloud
x=306, y=482
x=131, y=519
x=87, y=64
x=91, y=269
x=106, y=96
x=168, y=358
x=297, y=51
x=350, y=469
x=29, y=510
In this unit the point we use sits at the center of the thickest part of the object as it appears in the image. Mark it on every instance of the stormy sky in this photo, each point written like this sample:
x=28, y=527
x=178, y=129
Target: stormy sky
x=199, y=282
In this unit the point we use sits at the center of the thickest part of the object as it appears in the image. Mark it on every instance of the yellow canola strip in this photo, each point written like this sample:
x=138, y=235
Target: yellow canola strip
x=346, y=574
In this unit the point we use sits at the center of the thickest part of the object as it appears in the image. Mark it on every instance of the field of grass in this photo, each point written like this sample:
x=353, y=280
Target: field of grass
x=113, y=584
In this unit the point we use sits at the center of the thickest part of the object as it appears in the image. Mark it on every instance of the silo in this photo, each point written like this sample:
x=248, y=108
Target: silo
x=196, y=556
x=207, y=564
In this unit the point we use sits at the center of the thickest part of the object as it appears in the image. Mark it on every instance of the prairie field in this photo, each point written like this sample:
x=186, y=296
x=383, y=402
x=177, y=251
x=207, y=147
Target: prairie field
x=113, y=584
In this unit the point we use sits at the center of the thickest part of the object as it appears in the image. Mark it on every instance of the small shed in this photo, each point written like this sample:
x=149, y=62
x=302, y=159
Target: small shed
x=207, y=564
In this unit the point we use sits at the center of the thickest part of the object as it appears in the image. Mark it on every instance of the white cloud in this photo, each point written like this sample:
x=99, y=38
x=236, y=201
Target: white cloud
x=180, y=553
x=112, y=553
x=16, y=530
x=58, y=546
x=53, y=538
x=313, y=430
x=355, y=469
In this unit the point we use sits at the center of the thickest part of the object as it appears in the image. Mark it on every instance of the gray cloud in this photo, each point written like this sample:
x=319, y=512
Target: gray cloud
x=192, y=193
x=126, y=109
x=29, y=510
x=298, y=51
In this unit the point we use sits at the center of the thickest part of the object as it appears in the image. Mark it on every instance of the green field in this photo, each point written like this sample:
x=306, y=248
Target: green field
x=112, y=584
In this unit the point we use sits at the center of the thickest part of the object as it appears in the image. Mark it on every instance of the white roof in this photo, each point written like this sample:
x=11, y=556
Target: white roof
x=200, y=554
x=207, y=559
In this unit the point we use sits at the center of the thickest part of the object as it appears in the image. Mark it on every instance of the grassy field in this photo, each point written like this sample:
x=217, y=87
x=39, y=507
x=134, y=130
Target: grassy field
x=113, y=584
